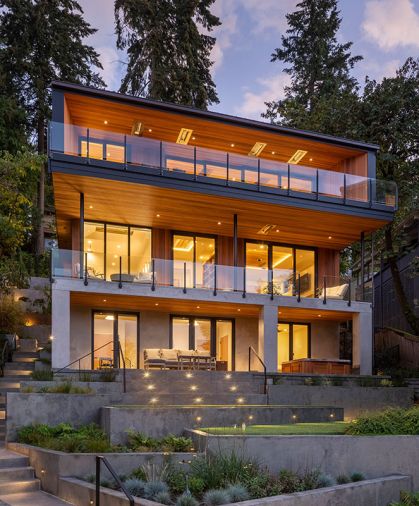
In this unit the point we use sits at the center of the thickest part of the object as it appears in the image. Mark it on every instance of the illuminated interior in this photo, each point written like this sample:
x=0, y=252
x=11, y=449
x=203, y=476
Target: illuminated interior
x=293, y=342
x=197, y=255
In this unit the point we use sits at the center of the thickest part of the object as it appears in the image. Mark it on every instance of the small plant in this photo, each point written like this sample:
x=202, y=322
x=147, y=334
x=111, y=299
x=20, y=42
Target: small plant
x=342, y=479
x=391, y=421
x=367, y=382
x=215, y=497
x=152, y=488
x=325, y=480
x=176, y=443
x=407, y=499
x=357, y=477
x=163, y=498
x=107, y=375
x=196, y=486
x=135, y=486
x=318, y=381
x=308, y=382
x=327, y=382
x=337, y=382
x=42, y=375
x=289, y=481
x=27, y=390
x=85, y=377
x=386, y=383
x=237, y=493
x=187, y=499
x=138, y=441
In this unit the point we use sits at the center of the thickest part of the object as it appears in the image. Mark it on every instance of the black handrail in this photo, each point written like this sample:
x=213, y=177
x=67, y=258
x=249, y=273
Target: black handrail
x=265, y=377
x=81, y=358
x=3, y=358
x=121, y=354
x=99, y=460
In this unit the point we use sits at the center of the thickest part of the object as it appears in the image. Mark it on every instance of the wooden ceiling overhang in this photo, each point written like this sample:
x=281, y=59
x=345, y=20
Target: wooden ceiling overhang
x=162, y=207
x=113, y=112
x=293, y=314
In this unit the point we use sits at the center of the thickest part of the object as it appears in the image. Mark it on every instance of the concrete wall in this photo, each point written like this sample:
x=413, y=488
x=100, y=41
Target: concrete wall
x=379, y=492
x=324, y=339
x=246, y=335
x=373, y=456
x=52, y=409
x=353, y=399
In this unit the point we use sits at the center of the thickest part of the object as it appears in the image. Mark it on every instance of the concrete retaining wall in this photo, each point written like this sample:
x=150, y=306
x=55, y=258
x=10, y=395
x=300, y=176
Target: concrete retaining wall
x=50, y=465
x=160, y=421
x=52, y=409
x=354, y=399
x=113, y=389
x=373, y=456
x=378, y=492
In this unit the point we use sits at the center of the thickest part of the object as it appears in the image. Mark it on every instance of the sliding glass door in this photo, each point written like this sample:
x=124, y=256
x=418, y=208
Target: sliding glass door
x=293, y=342
x=211, y=335
x=193, y=261
x=108, y=328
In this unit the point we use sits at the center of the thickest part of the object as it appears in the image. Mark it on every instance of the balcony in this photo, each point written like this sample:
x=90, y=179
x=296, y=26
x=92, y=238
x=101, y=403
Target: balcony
x=156, y=273
x=114, y=151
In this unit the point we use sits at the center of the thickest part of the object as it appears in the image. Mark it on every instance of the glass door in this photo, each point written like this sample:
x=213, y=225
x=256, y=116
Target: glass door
x=224, y=343
x=202, y=335
x=107, y=329
x=257, y=264
x=293, y=342
x=193, y=259
x=282, y=270
x=283, y=344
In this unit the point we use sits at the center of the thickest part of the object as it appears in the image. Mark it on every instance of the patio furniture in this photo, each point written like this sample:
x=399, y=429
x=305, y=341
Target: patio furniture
x=166, y=358
x=153, y=359
x=317, y=366
x=335, y=292
x=105, y=363
x=124, y=277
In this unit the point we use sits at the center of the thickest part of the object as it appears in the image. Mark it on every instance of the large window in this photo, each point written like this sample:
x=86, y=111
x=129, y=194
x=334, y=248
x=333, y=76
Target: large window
x=288, y=264
x=110, y=246
x=211, y=335
x=193, y=261
x=293, y=342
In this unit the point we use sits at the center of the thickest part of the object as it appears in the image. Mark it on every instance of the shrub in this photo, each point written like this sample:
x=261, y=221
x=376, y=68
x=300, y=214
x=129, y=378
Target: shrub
x=325, y=481
x=337, y=382
x=357, y=477
x=187, y=499
x=135, y=486
x=42, y=375
x=367, y=382
x=163, y=498
x=196, y=486
x=342, y=479
x=216, y=497
x=237, y=493
x=386, y=383
x=65, y=387
x=176, y=479
x=152, y=488
x=407, y=499
x=389, y=421
x=11, y=315
x=138, y=441
x=85, y=377
x=289, y=482
x=263, y=485
x=107, y=375
x=176, y=443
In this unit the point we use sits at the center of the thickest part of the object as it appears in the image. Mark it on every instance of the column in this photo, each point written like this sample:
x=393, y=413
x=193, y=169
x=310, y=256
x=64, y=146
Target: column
x=268, y=337
x=362, y=349
x=60, y=320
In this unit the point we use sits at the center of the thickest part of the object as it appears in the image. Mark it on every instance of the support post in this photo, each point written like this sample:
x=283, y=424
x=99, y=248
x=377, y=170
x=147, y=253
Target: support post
x=372, y=301
x=120, y=272
x=153, y=275
x=363, y=266
x=81, y=231
x=97, y=503
x=235, y=251
x=268, y=336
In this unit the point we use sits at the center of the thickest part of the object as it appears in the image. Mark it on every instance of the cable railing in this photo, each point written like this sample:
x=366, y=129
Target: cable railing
x=133, y=153
x=216, y=278
x=253, y=352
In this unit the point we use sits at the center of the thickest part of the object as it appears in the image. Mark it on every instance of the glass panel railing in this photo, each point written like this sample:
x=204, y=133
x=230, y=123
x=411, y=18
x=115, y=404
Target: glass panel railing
x=179, y=159
x=335, y=288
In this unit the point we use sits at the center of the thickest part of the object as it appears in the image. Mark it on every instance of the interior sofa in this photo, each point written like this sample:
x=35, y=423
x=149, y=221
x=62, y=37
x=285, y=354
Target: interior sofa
x=166, y=358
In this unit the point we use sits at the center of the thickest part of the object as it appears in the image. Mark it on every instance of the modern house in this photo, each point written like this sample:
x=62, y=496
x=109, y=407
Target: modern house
x=183, y=229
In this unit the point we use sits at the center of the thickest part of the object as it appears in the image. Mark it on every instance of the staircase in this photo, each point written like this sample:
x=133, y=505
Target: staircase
x=14, y=372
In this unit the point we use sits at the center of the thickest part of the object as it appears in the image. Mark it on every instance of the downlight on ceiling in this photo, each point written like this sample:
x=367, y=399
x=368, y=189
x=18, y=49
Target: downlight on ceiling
x=137, y=128
x=297, y=156
x=184, y=136
x=266, y=229
x=257, y=149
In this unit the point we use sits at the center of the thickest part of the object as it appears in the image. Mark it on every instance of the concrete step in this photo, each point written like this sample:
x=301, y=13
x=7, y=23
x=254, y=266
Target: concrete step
x=17, y=487
x=193, y=398
x=10, y=459
x=24, y=366
x=17, y=373
x=36, y=498
x=10, y=474
x=28, y=357
x=182, y=387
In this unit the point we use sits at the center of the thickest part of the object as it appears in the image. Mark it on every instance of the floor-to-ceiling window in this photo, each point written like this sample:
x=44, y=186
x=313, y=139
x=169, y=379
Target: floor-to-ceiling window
x=293, y=342
x=289, y=266
x=111, y=248
x=212, y=335
x=193, y=261
x=109, y=328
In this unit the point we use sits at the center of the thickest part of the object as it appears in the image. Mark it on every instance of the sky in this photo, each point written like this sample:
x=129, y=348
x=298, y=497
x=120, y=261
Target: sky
x=384, y=32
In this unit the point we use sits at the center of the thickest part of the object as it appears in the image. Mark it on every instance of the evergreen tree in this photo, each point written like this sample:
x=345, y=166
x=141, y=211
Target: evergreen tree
x=321, y=85
x=168, y=53
x=42, y=40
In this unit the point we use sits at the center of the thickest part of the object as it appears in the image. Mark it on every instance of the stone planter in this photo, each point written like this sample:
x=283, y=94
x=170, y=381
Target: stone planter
x=28, y=345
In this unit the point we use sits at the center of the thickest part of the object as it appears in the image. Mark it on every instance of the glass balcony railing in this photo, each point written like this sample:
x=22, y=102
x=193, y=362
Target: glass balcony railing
x=216, y=167
x=154, y=273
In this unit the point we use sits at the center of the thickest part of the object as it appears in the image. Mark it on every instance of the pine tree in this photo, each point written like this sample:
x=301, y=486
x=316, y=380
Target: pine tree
x=319, y=67
x=169, y=56
x=42, y=40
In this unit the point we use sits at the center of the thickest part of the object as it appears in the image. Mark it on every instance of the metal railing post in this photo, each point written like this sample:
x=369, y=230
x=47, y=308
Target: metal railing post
x=120, y=272
x=88, y=145
x=344, y=188
x=97, y=502
x=324, y=290
x=289, y=179
x=244, y=283
x=271, y=283
x=184, y=277
x=125, y=152
x=258, y=174
x=161, y=158
x=299, y=288
x=350, y=292
x=86, y=282
x=194, y=163
x=215, y=280
x=227, y=169
x=153, y=276
x=317, y=184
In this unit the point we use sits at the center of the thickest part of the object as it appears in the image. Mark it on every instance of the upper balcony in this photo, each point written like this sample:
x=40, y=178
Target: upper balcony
x=196, y=164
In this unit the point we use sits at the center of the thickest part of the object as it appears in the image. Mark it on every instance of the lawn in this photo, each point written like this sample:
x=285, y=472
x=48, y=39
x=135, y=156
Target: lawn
x=312, y=429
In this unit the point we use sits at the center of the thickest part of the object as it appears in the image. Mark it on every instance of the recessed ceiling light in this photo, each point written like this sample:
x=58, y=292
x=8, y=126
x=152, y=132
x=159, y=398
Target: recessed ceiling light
x=90, y=207
x=232, y=145
x=319, y=315
x=104, y=300
x=329, y=237
x=310, y=159
x=158, y=215
x=277, y=230
x=156, y=304
x=197, y=307
x=219, y=223
x=297, y=156
x=279, y=312
x=184, y=136
x=273, y=153
x=239, y=310
x=150, y=130
x=193, y=138
x=105, y=122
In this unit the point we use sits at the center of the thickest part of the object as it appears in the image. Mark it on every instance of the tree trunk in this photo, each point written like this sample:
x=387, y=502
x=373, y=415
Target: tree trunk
x=405, y=305
x=41, y=188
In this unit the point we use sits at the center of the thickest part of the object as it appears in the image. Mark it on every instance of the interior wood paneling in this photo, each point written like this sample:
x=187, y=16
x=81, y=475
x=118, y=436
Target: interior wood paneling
x=135, y=204
x=93, y=112
x=308, y=315
x=327, y=263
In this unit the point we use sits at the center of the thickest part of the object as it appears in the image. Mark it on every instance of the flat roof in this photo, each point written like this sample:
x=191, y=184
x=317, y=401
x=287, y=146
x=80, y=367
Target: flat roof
x=210, y=115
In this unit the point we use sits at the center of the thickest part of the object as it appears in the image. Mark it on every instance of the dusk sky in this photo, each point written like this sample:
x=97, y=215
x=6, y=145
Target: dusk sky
x=384, y=32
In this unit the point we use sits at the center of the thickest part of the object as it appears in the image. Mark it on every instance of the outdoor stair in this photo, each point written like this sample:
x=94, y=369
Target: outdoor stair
x=18, y=484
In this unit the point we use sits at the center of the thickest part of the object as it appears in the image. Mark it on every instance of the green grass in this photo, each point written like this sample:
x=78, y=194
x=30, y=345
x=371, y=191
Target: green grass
x=327, y=428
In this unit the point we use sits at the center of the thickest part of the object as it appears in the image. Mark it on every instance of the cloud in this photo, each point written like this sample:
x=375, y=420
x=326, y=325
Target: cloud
x=268, y=14
x=271, y=88
x=110, y=59
x=391, y=23
x=224, y=33
x=378, y=70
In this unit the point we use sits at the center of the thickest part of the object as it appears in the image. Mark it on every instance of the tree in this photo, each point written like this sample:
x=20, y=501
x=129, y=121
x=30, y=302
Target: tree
x=322, y=91
x=169, y=56
x=42, y=40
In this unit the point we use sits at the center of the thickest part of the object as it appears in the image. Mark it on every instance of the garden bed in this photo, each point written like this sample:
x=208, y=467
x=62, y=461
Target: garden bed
x=327, y=428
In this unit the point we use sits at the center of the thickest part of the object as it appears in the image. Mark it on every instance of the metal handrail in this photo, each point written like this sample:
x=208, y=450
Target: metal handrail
x=99, y=460
x=82, y=357
x=3, y=358
x=265, y=377
x=121, y=353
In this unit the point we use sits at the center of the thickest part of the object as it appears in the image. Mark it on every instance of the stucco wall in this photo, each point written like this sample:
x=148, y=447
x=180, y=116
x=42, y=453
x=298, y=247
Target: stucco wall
x=324, y=339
